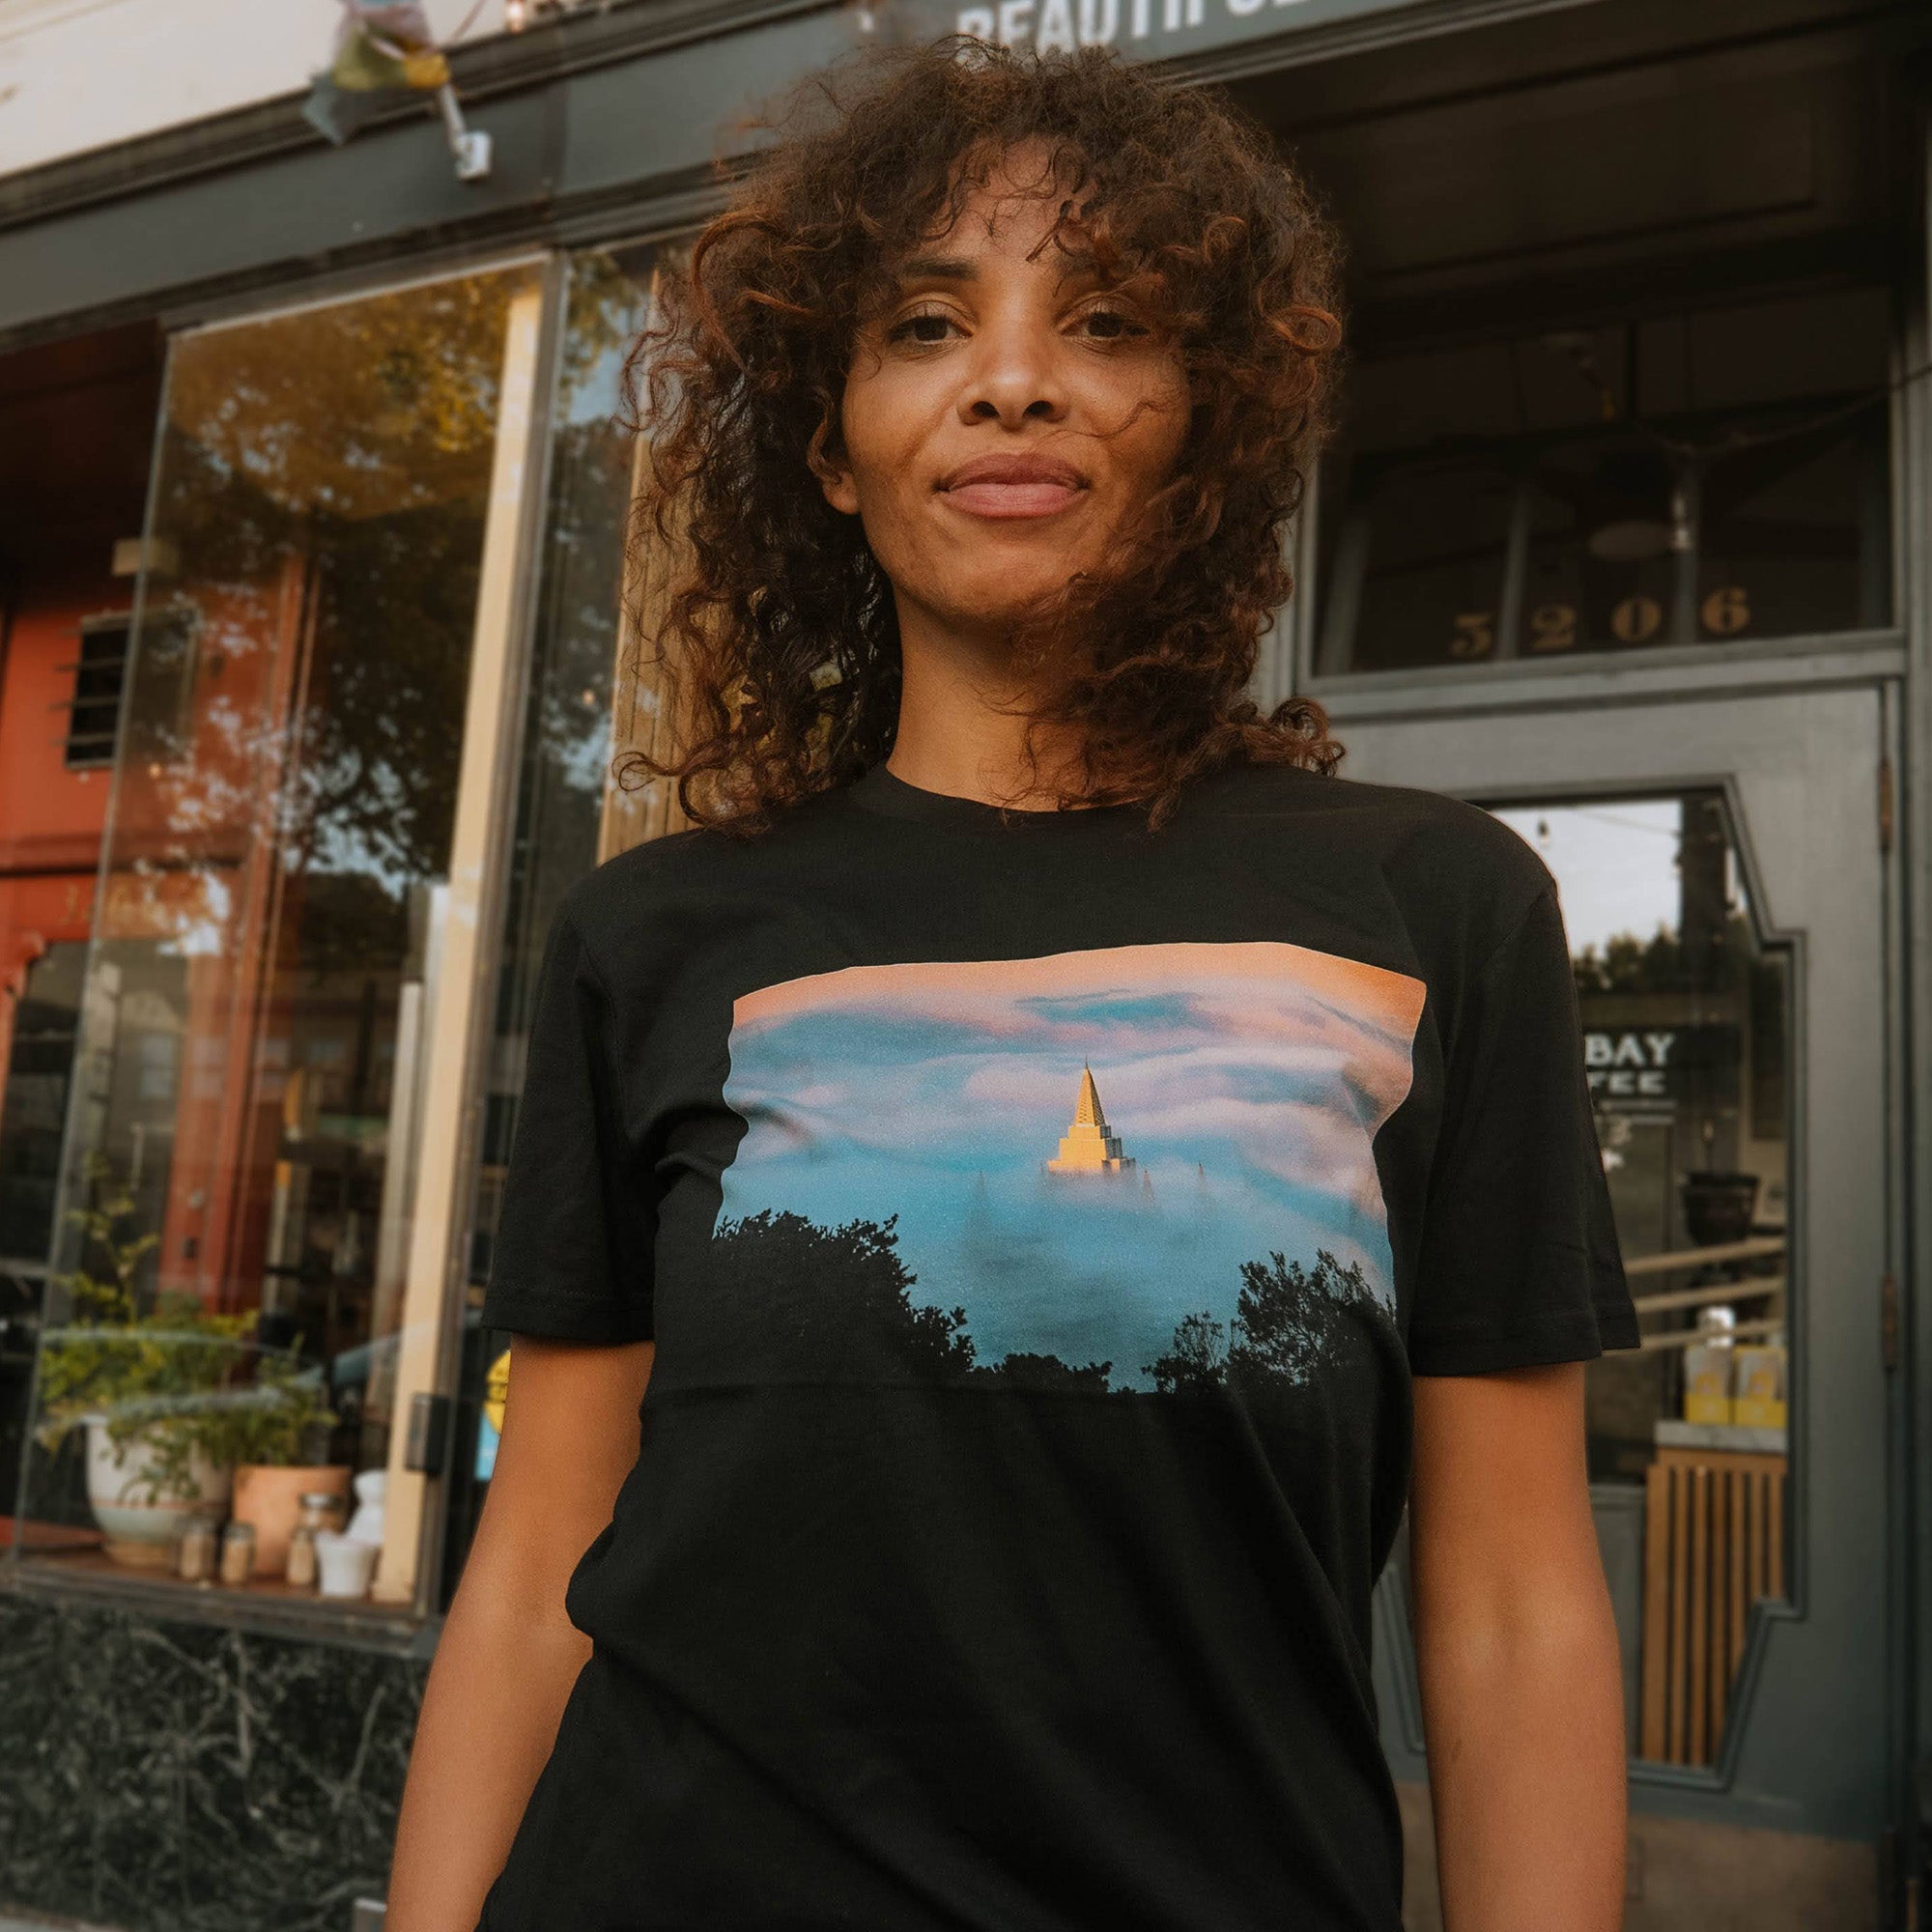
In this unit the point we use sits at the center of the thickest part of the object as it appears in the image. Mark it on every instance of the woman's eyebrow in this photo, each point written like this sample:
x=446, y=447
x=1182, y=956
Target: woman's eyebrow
x=1075, y=264
x=938, y=268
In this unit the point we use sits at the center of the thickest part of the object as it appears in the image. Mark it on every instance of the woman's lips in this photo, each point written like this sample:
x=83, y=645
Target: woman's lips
x=1010, y=500
x=1012, y=486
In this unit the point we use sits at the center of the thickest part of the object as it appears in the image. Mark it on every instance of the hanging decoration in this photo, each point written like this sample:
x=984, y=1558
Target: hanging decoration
x=386, y=49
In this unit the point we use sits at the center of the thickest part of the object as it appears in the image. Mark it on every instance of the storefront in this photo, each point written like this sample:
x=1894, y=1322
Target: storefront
x=1625, y=535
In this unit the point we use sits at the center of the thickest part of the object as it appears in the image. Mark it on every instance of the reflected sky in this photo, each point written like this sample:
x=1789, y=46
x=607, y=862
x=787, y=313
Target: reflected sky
x=1615, y=864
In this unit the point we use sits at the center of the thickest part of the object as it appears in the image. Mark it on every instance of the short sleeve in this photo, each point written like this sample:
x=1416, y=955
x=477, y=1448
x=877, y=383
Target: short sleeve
x=572, y=1256
x=1518, y=1262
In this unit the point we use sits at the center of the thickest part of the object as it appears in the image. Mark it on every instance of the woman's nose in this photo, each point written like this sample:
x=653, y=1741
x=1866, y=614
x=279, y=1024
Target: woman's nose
x=1013, y=376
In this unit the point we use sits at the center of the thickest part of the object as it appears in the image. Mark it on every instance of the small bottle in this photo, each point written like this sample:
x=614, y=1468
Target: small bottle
x=238, y=1553
x=299, y=1571
x=196, y=1557
x=1710, y=1365
x=318, y=1512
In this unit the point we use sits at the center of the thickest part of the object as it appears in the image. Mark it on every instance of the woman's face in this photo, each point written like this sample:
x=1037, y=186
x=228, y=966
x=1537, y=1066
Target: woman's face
x=1004, y=415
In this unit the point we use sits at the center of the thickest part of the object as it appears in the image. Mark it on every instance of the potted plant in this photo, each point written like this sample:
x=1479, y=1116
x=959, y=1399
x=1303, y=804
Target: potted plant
x=270, y=1437
x=150, y=1388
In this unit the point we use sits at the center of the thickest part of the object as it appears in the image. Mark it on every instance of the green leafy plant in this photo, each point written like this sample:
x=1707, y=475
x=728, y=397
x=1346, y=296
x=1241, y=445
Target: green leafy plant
x=275, y=1417
x=170, y=1373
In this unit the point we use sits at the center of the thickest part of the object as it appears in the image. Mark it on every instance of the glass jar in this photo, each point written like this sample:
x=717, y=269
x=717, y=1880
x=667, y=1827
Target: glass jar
x=319, y=1510
x=196, y=1556
x=238, y=1553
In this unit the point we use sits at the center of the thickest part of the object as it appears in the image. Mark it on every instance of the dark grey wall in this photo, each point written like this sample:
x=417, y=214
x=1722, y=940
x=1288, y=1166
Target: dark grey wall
x=261, y=199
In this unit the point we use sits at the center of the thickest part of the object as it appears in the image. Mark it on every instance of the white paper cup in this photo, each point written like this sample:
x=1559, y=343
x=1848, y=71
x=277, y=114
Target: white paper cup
x=345, y=1564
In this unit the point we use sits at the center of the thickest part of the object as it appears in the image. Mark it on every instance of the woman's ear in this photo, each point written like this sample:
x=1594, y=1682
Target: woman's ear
x=834, y=476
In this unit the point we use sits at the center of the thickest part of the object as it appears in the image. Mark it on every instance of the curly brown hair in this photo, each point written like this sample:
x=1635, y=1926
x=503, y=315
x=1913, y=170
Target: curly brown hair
x=776, y=645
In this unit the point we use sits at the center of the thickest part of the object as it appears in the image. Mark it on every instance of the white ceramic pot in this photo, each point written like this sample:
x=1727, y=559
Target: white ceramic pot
x=141, y=1527
x=345, y=1565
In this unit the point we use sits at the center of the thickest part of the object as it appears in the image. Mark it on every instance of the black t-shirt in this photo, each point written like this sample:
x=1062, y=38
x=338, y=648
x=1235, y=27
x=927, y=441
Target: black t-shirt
x=1039, y=1221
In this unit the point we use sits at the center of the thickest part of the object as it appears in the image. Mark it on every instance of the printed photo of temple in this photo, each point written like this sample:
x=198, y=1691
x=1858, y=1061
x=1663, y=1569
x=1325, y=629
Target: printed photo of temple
x=922, y=1108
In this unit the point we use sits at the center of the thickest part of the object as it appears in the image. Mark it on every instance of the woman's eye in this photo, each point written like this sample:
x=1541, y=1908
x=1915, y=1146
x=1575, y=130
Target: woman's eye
x=1110, y=324
x=927, y=328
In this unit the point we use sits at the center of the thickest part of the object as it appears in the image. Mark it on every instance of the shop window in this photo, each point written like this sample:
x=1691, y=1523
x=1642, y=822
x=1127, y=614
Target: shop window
x=252, y=1262
x=1711, y=478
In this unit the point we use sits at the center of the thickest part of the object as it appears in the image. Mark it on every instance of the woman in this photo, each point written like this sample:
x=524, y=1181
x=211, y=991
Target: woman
x=1008, y=1205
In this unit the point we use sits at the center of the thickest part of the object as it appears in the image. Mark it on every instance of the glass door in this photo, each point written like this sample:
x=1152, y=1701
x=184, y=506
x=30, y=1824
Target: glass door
x=1724, y=879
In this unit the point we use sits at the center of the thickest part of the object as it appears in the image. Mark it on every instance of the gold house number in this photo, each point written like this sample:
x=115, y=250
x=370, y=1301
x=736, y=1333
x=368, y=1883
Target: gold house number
x=1725, y=613
x=1552, y=627
x=1636, y=620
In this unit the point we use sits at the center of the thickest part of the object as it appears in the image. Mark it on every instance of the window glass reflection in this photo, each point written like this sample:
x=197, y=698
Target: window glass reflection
x=264, y=963
x=567, y=818
x=1702, y=478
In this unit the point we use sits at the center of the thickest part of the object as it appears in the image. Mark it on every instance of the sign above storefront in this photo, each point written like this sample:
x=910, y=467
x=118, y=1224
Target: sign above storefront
x=1145, y=29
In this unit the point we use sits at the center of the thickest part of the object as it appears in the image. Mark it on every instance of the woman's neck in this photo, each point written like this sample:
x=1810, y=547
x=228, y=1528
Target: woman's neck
x=962, y=721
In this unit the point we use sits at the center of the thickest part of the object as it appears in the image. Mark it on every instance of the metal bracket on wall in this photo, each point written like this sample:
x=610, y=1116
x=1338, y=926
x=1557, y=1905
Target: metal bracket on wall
x=470, y=146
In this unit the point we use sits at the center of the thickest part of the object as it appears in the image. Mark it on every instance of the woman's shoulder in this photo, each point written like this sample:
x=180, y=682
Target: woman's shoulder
x=1404, y=824
x=1444, y=859
x=656, y=887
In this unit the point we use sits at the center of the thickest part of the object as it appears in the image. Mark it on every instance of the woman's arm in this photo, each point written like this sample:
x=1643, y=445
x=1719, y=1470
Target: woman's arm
x=508, y=1656
x=1521, y=1688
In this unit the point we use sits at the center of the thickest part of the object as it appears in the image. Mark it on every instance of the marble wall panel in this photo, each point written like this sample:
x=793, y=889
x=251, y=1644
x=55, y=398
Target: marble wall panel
x=172, y=1778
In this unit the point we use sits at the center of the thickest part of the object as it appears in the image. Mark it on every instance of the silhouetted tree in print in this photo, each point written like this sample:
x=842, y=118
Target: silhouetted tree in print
x=1292, y=1318
x=1044, y=1373
x=1289, y=1317
x=807, y=1302
x=827, y=1301
x=1195, y=1360
x=802, y=1301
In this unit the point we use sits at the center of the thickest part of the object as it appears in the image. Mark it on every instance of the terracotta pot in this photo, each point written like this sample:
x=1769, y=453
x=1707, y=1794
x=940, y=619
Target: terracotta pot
x=141, y=1527
x=269, y=1496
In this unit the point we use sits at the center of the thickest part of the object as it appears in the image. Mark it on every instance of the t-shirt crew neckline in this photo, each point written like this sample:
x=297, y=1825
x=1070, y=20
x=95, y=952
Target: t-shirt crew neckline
x=880, y=789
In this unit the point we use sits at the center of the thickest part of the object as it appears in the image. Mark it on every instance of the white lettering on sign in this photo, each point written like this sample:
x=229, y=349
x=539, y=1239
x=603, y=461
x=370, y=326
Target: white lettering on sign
x=1628, y=1049
x=1628, y=1065
x=1649, y=1084
x=1062, y=24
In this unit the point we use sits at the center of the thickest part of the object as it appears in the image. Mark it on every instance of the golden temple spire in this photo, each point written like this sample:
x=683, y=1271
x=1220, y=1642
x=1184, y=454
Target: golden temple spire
x=1087, y=1147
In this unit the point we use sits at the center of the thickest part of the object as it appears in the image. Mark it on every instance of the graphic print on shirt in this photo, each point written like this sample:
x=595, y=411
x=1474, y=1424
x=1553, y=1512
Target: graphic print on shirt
x=1139, y=1168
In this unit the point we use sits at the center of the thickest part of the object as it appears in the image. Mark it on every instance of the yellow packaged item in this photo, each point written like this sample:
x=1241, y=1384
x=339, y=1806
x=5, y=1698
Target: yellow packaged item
x=1759, y=1398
